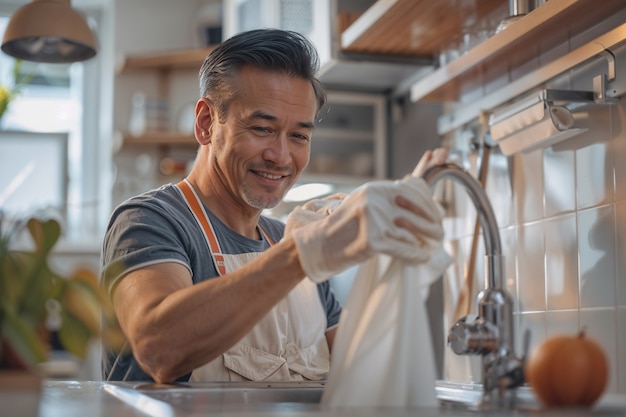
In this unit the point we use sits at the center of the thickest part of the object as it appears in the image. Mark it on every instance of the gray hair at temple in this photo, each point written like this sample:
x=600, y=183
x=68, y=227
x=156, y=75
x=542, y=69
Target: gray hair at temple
x=282, y=51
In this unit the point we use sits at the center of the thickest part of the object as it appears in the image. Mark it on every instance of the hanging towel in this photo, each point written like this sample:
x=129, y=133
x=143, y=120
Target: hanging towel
x=383, y=353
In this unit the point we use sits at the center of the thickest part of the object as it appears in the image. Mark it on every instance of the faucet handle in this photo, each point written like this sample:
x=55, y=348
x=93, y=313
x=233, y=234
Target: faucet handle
x=514, y=375
x=477, y=337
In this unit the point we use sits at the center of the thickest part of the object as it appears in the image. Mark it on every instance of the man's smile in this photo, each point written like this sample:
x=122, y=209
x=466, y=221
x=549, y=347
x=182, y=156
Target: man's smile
x=269, y=176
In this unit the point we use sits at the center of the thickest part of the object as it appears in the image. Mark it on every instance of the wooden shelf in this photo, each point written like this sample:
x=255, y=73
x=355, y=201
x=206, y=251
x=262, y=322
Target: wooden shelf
x=164, y=62
x=420, y=28
x=185, y=59
x=552, y=25
x=161, y=138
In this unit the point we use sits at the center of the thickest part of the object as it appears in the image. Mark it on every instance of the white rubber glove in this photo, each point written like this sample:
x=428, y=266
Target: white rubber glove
x=370, y=221
x=312, y=211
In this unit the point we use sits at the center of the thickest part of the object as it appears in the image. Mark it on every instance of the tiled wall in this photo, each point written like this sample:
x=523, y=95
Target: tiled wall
x=561, y=211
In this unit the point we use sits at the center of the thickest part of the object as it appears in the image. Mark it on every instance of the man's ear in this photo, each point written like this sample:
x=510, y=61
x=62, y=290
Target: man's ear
x=205, y=117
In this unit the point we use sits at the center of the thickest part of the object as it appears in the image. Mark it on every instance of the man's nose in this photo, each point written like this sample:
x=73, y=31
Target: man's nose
x=278, y=150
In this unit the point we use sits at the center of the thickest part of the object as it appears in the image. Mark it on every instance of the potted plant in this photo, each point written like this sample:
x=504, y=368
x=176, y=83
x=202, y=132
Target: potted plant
x=37, y=302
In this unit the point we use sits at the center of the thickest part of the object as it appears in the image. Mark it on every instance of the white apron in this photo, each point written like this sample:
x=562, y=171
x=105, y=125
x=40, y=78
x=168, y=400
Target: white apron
x=288, y=344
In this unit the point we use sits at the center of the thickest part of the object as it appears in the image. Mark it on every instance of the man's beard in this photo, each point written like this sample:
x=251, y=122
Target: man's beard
x=260, y=202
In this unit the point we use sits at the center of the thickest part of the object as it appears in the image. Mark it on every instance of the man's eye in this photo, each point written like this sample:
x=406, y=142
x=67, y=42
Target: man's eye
x=262, y=129
x=300, y=137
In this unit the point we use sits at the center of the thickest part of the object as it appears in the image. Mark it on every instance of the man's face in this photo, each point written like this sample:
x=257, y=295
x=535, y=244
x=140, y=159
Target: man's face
x=263, y=145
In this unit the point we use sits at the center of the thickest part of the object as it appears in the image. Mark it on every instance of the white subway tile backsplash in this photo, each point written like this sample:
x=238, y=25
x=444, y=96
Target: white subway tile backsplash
x=561, y=265
x=559, y=181
x=562, y=322
x=527, y=172
x=535, y=324
x=594, y=168
x=601, y=326
x=596, y=248
x=620, y=251
x=621, y=350
x=498, y=187
x=618, y=146
x=531, y=282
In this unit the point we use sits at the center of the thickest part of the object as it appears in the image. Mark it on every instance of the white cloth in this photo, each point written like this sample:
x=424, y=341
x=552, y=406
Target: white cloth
x=383, y=353
x=365, y=223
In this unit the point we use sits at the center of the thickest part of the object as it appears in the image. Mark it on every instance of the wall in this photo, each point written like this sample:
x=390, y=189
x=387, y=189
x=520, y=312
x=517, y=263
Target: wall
x=413, y=131
x=561, y=211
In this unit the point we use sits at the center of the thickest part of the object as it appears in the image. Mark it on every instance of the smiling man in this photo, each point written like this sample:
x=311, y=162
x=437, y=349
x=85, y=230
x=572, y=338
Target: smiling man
x=211, y=290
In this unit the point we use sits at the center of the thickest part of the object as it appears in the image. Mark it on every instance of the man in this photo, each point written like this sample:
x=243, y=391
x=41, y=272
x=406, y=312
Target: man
x=260, y=320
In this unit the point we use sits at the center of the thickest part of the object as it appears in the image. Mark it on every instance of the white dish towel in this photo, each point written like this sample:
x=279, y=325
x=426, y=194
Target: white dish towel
x=383, y=353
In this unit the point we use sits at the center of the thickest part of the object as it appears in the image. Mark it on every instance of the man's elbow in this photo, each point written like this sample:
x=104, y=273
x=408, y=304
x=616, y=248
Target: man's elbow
x=162, y=366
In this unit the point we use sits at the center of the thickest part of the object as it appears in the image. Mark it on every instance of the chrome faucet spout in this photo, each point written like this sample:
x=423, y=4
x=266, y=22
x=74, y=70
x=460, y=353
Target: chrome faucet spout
x=491, y=333
x=491, y=236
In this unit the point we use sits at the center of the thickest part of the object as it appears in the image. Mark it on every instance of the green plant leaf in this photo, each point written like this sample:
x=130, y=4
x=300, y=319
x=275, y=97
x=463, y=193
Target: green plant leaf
x=74, y=335
x=44, y=233
x=28, y=283
x=12, y=287
x=37, y=285
x=23, y=338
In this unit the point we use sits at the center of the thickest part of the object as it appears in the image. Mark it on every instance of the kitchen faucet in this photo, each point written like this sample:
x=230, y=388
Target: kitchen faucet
x=491, y=333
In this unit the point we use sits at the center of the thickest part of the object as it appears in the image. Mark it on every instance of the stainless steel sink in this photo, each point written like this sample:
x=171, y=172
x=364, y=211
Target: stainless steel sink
x=289, y=398
x=192, y=398
x=470, y=396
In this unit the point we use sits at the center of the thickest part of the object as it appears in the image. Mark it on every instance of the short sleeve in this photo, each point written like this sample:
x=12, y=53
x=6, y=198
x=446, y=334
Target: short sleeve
x=330, y=303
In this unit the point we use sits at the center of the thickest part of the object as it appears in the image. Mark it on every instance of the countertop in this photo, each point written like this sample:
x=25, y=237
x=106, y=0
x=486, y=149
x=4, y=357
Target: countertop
x=90, y=398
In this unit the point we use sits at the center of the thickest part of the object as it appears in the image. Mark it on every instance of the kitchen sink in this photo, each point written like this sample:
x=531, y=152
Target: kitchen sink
x=192, y=398
x=275, y=398
x=470, y=396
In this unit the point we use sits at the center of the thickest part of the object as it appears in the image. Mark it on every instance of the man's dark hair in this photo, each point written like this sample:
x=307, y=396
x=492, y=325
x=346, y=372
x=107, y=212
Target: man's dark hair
x=282, y=51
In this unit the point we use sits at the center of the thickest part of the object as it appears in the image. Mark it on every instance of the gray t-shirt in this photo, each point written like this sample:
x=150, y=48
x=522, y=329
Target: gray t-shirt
x=156, y=227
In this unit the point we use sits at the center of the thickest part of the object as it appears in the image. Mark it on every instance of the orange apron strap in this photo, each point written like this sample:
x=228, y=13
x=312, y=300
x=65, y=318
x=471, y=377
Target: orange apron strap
x=267, y=236
x=196, y=207
x=193, y=201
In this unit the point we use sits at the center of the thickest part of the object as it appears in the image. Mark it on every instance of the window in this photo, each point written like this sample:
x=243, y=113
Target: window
x=55, y=115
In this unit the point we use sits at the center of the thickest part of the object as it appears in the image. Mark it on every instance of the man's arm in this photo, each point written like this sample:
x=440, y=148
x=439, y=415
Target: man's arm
x=174, y=327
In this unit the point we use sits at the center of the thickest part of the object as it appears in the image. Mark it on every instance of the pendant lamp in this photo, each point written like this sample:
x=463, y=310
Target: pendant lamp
x=49, y=31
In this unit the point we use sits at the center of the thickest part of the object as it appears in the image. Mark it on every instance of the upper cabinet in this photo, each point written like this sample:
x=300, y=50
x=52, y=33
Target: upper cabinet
x=456, y=34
